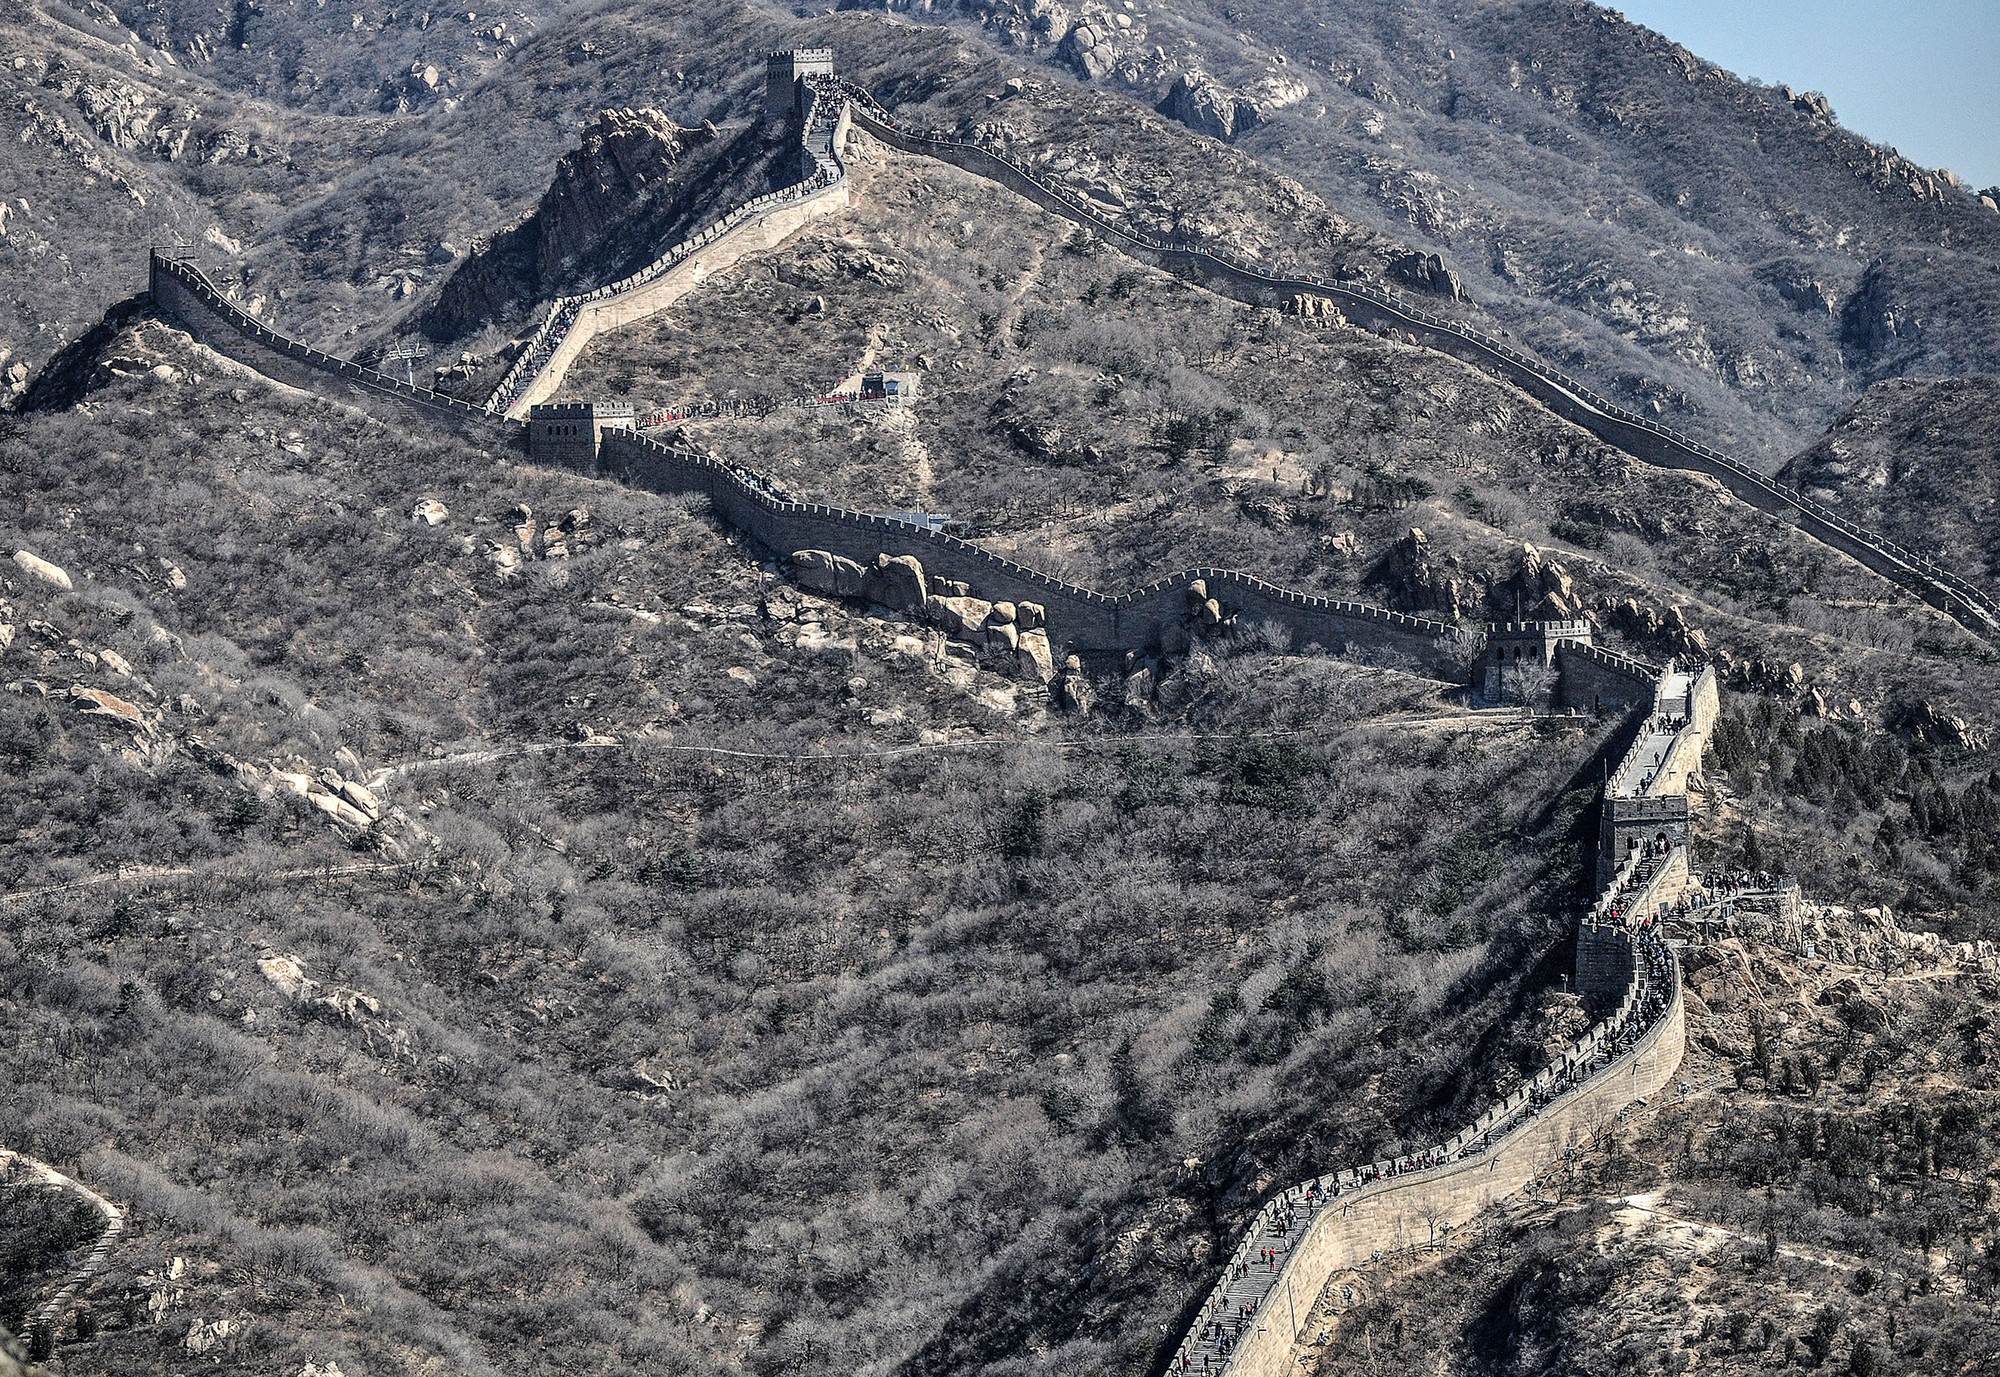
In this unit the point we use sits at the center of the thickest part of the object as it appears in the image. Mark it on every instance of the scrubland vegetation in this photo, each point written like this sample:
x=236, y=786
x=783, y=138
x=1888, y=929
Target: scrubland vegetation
x=685, y=1060
x=742, y=981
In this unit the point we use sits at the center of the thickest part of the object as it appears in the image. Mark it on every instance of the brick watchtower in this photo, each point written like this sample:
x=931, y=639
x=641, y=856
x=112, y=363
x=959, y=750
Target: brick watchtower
x=1512, y=645
x=784, y=81
x=568, y=433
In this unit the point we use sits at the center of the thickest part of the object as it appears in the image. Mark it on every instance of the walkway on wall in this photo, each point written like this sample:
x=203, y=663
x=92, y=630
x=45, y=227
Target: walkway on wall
x=47, y=1319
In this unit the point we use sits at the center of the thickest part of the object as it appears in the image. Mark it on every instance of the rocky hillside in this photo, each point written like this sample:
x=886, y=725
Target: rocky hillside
x=1723, y=251
x=636, y=183
x=487, y=919
x=1921, y=461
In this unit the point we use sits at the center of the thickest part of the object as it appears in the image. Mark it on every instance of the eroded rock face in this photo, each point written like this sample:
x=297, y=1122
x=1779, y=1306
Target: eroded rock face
x=622, y=155
x=1427, y=272
x=1206, y=107
x=1416, y=580
x=1541, y=588
x=1927, y=722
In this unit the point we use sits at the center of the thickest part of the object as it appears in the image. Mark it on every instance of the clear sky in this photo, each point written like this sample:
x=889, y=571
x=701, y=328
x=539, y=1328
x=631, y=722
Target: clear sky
x=1920, y=75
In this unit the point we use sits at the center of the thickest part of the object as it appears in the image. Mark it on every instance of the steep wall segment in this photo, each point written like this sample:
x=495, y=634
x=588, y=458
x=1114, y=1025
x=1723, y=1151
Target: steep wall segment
x=753, y=227
x=1251, y=1322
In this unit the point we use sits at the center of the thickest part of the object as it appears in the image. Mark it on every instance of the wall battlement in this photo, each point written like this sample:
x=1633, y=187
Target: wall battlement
x=1339, y=1221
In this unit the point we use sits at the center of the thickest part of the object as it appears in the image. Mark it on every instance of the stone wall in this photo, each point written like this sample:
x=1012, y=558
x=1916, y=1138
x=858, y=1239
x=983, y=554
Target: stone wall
x=1375, y=308
x=760, y=223
x=756, y=233
x=1401, y=1212
x=1085, y=621
x=182, y=293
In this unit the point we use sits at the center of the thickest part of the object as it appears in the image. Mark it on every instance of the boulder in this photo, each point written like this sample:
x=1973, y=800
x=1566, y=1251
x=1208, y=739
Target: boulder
x=430, y=512
x=41, y=569
x=286, y=975
x=1032, y=657
x=339, y=809
x=1031, y=615
x=98, y=703
x=896, y=582
x=1002, y=636
x=950, y=588
x=1210, y=613
x=1088, y=49
x=1002, y=613
x=957, y=616
x=1139, y=687
x=362, y=797
x=824, y=572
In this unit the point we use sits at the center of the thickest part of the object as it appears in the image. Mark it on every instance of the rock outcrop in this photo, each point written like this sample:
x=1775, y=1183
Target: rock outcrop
x=620, y=159
x=1417, y=581
x=1427, y=272
x=1206, y=107
x=1540, y=588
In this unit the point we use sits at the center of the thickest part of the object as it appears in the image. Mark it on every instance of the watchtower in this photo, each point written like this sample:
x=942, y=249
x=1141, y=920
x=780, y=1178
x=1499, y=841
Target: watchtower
x=784, y=81
x=568, y=433
x=1655, y=822
x=1511, y=646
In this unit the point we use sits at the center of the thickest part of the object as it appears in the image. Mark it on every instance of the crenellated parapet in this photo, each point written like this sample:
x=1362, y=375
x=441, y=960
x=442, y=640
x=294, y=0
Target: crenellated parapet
x=1253, y=1319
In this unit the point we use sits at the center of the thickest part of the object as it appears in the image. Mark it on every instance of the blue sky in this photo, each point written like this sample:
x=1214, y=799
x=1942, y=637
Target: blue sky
x=1921, y=75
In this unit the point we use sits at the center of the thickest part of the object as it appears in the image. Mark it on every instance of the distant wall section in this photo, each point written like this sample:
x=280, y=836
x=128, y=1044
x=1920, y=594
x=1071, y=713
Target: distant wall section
x=1087, y=621
x=183, y=294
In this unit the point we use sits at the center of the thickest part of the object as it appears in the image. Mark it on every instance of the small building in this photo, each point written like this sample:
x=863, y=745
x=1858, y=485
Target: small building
x=784, y=81
x=888, y=386
x=567, y=434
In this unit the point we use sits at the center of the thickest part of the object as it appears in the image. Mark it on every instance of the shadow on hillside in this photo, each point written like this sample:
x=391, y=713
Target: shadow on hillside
x=64, y=379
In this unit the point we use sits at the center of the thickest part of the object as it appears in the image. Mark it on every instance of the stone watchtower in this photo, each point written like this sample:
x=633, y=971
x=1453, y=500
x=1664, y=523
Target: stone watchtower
x=568, y=433
x=1512, y=646
x=784, y=81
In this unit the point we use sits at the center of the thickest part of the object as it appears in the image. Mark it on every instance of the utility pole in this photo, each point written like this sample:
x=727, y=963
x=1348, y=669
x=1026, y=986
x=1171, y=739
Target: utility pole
x=407, y=354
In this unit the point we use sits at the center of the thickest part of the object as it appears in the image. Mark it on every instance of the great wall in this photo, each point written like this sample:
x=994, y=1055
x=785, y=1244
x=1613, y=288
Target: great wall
x=1306, y=1234
x=19, y=1170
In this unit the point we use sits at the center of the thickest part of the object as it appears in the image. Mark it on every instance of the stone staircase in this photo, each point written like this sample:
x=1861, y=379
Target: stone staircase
x=46, y=1322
